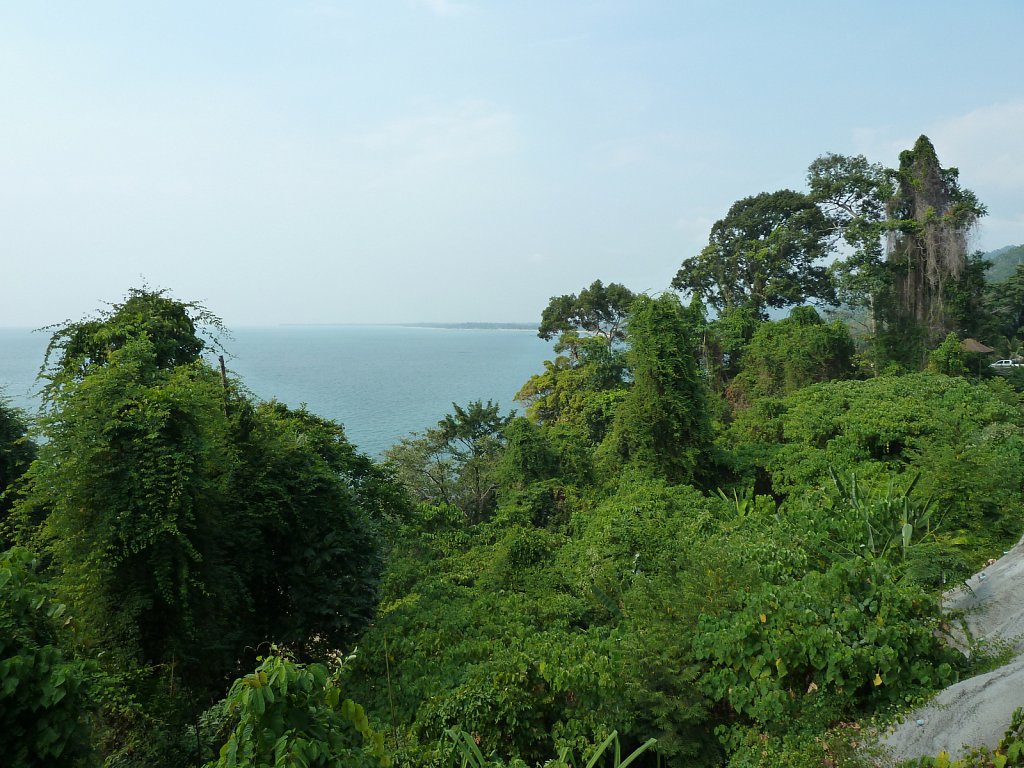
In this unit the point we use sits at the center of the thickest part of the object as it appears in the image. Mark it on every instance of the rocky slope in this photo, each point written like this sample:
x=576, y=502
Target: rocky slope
x=975, y=711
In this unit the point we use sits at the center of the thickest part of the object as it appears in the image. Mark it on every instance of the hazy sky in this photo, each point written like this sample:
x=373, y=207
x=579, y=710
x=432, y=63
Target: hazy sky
x=436, y=160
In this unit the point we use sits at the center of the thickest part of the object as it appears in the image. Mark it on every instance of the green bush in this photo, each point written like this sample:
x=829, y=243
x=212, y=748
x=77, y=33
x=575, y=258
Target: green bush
x=43, y=695
x=290, y=714
x=834, y=643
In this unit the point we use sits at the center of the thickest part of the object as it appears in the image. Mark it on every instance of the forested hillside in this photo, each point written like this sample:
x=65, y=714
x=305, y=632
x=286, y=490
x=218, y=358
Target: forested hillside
x=712, y=538
x=1004, y=262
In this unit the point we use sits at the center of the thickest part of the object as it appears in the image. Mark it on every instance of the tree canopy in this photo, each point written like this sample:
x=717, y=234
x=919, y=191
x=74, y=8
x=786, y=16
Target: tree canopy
x=453, y=462
x=766, y=252
x=600, y=310
x=852, y=193
x=16, y=453
x=179, y=332
x=930, y=217
x=786, y=355
x=662, y=424
x=185, y=526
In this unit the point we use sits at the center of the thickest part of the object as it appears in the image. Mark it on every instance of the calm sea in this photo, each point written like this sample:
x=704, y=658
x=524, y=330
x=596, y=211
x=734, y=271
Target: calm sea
x=381, y=382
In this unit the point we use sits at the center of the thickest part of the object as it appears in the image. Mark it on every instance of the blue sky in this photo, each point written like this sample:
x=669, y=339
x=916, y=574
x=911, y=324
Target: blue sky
x=445, y=160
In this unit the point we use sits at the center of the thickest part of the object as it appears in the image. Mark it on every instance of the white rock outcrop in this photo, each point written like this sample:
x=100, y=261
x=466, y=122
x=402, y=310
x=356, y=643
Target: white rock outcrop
x=975, y=711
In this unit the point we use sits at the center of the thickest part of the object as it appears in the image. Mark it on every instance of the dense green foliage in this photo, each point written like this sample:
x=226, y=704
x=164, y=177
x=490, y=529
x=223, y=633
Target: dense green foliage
x=579, y=392
x=289, y=714
x=833, y=641
x=43, y=697
x=608, y=752
x=1004, y=308
x=787, y=355
x=314, y=509
x=139, y=525
x=16, y=454
x=453, y=463
x=184, y=526
x=662, y=424
x=706, y=541
x=964, y=440
x=535, y=609
x=766, y=252
x=593, y=609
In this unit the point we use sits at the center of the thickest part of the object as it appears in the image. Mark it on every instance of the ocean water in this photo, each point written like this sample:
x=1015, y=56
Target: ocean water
x=21, y=354
x=381, y=382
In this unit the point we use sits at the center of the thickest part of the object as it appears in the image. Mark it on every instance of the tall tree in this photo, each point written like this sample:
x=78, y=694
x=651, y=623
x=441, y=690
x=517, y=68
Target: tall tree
x=312, y=506
x=600, y=310
x=663, y=425
x=131, y=483
x=184, y=524
x=1004, y=302
x=579, y=388
x=766, y=252
x=852, y=193
x=454, y=462
x=930, y=217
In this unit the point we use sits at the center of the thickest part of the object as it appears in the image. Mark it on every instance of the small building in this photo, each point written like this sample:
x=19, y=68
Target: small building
x=973, y=345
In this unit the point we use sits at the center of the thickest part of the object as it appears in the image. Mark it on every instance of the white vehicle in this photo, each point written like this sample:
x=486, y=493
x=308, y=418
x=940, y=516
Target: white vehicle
x=1006, y=364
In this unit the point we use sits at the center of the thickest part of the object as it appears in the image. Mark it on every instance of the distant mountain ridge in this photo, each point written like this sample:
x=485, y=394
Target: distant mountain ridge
x=1004, y=262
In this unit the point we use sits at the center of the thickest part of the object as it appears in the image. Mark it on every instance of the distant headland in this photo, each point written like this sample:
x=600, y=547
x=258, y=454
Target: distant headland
x=449, y=326
x=473, y=326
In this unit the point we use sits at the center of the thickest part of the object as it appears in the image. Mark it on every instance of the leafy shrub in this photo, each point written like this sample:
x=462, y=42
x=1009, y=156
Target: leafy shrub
x=467, y=754
x=16, y=453
x=948, y=357
x=42, y=690
x=788, y=354
x=965, y=440
x=289, y=714
x=833, y=643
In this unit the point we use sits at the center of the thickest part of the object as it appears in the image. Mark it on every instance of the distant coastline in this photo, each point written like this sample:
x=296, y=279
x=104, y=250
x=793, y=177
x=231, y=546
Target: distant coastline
x=472, y=326
x=446, y=326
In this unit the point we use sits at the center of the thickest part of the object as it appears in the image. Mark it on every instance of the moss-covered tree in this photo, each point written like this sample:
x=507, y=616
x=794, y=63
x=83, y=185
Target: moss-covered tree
x=132, y=487
x=186, y=527
x=929, y=219
x=662, y=424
